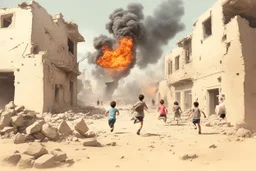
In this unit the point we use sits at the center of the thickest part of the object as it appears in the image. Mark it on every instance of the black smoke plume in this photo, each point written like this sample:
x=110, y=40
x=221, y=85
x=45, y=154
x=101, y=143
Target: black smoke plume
x=149, y=33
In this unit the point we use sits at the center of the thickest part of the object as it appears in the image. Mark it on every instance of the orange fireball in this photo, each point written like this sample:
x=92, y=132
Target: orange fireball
x=118, y=59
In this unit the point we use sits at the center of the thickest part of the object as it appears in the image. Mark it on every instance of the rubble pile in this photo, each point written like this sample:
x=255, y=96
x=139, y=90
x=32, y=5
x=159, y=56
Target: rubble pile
x=27, y=126
x=225, y=127
x=37, y=156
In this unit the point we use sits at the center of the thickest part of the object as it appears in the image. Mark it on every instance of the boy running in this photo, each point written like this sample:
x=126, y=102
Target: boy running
x=162, y=110
x=111, y=113
x=197, y=116
x=177, y=112
x=139, y=108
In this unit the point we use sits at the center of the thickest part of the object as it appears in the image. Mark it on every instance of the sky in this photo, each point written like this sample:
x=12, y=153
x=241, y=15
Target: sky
x=92, y=15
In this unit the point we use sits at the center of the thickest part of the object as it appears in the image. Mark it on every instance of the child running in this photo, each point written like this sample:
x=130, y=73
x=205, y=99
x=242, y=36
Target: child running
x=112, y=113
x=139, y=108
x=163, y=111
x=177, y=112
x=197, y=116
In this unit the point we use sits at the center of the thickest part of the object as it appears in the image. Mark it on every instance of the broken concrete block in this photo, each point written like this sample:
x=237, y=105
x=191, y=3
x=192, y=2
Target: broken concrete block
x=44, y=162
x=29, y=138
x=77, y=134
x=8, y=130
x=19, y=109
x=80, y=126
x=39, y=136
x=10, y=105
x=91, y=142
x=17, y=121
x=49, y=131
x=36, y=150
x=5, y=119
x=19, y=139
x=35, y=127
x=243, y=133
x=90, y=135
x=25, y=162
x=64, y=128
x=13, y=159
x=59, y=155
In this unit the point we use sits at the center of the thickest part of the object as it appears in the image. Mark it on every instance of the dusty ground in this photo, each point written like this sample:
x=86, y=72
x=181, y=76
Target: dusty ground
x=159, y=147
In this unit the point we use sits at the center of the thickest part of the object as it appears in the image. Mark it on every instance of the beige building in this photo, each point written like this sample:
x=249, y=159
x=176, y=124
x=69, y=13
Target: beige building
x=218, y=58
x=38, y=59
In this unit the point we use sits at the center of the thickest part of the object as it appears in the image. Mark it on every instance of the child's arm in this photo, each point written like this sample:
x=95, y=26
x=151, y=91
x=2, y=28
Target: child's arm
x=181, y=111
x=117, y=113
x=166, y=110
x=203, y=113
x=146, y=107
x=106, y=114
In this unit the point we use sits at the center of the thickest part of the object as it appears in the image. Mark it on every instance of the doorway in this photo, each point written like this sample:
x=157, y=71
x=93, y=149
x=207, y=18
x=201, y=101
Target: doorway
x=6, y=88
x=177, y=97
x=213, y=100
x=187, y=100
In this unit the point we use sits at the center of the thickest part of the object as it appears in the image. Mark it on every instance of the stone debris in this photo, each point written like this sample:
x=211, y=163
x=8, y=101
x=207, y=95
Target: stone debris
x=49, y=131
x=243, y=133
x=44, y=162
x=91, y=142
x=46, y=126
x=19, y=138
x=10, y=105
x=17, y=121
x=213, y=146
x=38, y=157
x=36, y=150
x=13, y=159
x=59, y=155
x=26, y=161
x=35, y=127
x=81, y=127
x=189, y=157
x=64, y=128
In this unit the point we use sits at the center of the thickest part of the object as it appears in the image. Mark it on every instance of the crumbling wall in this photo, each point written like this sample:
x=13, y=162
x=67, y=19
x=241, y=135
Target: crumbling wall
x=16, y=57
x=51, y=34
x=248, y=39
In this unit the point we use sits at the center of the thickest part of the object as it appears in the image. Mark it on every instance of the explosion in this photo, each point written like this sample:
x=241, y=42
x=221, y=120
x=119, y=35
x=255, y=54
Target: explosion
x=118, y=59
x=136, y=40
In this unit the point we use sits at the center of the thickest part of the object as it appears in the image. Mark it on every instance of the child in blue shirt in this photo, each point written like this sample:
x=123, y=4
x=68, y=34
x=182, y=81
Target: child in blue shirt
x=112, y=113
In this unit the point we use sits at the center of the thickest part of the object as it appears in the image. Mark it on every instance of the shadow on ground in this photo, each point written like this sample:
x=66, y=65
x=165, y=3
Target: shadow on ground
x=150, y=135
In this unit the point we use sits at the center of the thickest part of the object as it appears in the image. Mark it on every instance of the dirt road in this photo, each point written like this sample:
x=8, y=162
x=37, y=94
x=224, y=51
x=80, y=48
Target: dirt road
x=160, y=146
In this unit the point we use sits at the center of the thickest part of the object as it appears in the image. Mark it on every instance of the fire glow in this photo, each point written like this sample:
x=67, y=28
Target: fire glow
x=118, y=59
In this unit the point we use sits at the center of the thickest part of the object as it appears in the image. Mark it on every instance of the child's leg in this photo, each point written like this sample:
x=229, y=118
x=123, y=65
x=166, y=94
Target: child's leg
x=199, y=128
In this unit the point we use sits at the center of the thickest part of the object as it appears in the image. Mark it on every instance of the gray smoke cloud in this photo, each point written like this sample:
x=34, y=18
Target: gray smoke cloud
x=149, y=34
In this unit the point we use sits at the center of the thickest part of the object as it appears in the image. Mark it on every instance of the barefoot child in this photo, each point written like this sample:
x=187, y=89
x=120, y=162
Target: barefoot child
x=139, y=108
x=112, y=113
x=197, y=116
x=162, y=110
x=177, y=112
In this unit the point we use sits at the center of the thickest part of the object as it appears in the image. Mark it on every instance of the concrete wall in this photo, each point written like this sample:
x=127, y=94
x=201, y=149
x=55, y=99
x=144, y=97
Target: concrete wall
x=35, y=48
x=224, y=61
x=248, y=38
x=15, y=50
x=50, y=34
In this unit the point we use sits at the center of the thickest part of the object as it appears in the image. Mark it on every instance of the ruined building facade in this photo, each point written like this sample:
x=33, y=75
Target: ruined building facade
x=38, y=59
x=217, y=59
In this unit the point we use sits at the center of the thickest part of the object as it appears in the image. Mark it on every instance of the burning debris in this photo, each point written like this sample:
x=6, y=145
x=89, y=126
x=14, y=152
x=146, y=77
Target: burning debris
x=136, y=40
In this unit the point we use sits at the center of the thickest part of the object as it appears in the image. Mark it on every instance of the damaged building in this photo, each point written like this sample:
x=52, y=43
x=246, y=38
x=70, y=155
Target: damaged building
x=217, y=59
x=38, y=61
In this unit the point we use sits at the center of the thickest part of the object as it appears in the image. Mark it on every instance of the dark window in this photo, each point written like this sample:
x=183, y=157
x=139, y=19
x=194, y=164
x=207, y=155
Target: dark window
x=57, y=93
x=6, y=21
x=71, y=46
x=169, y=67
x=188, y=51
x=177, y=63
x=207, y=27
